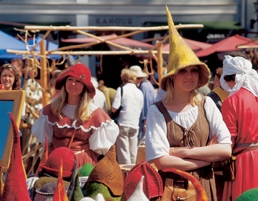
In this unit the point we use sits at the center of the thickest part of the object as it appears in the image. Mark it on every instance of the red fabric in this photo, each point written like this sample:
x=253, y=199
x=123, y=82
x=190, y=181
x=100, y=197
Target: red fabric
x=120, y=41
x=60, y=155
x=152, y=183
x=64, y=130
x=60, y=194
x=228, y=44
x=15, y=187
x=240, y=115
x=86, y=156
x=194, y=45
x=2, y=87
x=80, y=72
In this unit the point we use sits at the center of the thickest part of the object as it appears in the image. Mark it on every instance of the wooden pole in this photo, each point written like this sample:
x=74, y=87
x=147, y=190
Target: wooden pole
x=118, y=52
x=43, y=73
x=160, y=60
x=108, y=42
x=95, y=42
x=108, y=28
x=247, y=47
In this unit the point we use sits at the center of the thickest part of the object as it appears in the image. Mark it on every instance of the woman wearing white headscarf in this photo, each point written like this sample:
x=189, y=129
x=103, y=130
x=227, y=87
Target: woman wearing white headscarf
x=240, y=114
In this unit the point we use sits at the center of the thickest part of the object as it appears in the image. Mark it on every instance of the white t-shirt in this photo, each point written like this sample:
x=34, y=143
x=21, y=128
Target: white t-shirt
x=100, y=100
x=132, y=102
x=157, y=144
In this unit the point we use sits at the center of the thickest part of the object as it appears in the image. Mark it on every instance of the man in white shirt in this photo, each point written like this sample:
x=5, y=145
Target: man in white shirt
x=128, y=119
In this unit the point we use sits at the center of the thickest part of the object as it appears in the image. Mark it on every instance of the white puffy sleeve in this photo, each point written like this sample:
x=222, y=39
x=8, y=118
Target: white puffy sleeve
x=156, y=134
x=42, y=127
x=104, y=137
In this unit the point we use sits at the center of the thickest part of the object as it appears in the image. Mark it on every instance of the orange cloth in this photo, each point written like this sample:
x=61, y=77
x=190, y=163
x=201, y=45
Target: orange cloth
x=221, y=93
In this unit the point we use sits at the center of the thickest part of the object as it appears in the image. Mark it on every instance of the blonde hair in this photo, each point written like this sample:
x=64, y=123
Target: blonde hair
x=82, y=112
x=128, y=76
x=195, y=97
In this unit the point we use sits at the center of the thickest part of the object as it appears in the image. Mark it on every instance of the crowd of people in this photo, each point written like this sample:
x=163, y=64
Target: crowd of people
x=183, y=126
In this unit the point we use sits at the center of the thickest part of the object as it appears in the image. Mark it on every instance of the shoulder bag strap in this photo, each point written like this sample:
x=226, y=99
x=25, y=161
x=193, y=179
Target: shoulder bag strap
x=121, y=95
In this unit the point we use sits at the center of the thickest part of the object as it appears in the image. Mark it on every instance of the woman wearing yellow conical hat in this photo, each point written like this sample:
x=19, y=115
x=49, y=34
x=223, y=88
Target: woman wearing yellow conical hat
x=185, y=130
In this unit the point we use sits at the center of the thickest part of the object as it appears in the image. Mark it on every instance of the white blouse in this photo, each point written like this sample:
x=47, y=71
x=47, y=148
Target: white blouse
x=101, y=139
x=157, y=144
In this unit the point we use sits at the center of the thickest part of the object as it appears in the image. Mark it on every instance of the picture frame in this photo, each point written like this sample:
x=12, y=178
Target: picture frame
x=10, y=101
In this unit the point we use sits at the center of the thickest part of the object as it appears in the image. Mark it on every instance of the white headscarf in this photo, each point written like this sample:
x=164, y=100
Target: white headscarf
x=246, y=77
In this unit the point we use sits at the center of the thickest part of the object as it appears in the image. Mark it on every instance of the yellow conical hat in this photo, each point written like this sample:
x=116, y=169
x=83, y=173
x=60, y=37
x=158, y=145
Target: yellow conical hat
x=181, y=56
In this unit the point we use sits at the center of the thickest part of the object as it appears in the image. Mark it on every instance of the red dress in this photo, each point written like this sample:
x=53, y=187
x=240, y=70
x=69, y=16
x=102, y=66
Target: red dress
x=240, y=113
x=65, y=128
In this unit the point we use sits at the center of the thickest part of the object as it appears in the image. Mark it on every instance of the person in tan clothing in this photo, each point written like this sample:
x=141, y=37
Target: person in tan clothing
x=109, y=94
x=185, y=130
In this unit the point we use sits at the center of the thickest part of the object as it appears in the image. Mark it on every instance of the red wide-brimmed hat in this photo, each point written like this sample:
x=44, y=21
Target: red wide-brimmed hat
x=54, y=159
x=80, y=72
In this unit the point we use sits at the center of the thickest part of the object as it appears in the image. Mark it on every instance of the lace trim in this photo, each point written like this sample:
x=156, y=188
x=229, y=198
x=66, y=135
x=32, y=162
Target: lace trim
x=103, y=124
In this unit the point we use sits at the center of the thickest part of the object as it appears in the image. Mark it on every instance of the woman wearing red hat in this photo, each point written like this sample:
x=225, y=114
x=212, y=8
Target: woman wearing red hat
x=73, y=121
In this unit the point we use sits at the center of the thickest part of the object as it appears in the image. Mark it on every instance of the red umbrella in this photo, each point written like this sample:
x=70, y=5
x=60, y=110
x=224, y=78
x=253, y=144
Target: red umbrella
x=194, y=45
x=228, y=44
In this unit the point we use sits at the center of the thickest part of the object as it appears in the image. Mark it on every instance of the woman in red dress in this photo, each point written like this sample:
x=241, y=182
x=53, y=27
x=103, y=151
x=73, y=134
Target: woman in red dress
x=240, y=114
x=73, y=121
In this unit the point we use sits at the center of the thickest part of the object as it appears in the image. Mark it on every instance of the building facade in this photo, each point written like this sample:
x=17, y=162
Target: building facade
x=221, y=18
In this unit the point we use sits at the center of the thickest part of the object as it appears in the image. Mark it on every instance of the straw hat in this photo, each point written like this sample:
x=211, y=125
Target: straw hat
x=181, y=56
